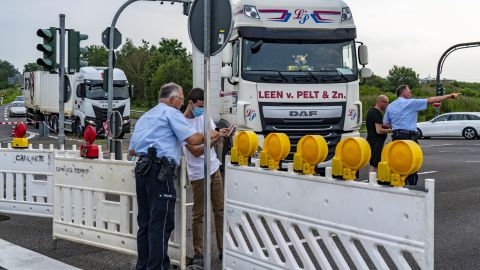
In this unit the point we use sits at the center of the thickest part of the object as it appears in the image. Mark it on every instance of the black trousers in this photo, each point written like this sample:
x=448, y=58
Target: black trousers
x=413, y=178
x=156, y=219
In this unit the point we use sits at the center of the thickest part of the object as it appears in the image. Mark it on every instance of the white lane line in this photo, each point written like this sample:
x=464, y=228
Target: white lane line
x=429, y=172
x=15, y=257
x=31, y=135
x=436, y=145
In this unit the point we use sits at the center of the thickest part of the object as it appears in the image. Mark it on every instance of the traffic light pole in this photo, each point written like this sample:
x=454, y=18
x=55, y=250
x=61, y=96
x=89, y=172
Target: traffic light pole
x=439, y=86
x=110, y=56
x=61, y=94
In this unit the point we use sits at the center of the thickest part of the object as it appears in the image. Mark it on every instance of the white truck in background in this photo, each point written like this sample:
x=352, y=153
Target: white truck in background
x=86, y=100
x=291, y=67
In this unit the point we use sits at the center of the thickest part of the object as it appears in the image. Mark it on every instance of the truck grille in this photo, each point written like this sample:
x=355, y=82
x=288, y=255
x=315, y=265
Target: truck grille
x=320, y=119
x=101, y=113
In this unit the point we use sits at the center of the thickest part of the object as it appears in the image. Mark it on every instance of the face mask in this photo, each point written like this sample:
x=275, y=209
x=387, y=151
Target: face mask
x=197, y=111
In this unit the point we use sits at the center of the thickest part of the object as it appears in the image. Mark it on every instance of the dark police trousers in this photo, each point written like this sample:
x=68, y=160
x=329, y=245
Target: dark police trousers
x=156, y=218
x=412, y=179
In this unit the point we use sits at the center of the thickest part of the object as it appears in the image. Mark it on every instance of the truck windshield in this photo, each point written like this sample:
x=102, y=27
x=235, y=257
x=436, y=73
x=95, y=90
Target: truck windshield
x=295, y=61
x=96, y=92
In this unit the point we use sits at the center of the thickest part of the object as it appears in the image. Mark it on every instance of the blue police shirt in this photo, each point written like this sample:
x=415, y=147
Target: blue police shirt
x=402, y=113
x=164, y=128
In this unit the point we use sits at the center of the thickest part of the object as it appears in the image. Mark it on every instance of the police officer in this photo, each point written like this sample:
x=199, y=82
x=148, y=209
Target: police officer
x=157, y=140
x=401, y=116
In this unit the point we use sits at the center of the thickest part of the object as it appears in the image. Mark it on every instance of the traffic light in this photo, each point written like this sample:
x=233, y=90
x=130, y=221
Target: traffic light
x=49, y=48
x=75, y=51
x=440, y=90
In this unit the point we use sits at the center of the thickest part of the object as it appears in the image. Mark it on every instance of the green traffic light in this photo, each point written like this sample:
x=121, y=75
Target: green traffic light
x=48, y=48
x=75, y=52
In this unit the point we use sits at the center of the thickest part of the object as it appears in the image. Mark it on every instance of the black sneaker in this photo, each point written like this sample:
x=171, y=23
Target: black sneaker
x=197, y=260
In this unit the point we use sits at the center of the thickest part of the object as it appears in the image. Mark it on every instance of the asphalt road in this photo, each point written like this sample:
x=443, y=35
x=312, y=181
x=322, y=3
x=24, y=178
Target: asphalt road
x=453, y=163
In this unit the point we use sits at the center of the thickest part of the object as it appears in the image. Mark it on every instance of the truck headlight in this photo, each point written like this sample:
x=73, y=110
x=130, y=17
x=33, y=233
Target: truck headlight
x=346, y=14
x=251, y=12
x=91, y=122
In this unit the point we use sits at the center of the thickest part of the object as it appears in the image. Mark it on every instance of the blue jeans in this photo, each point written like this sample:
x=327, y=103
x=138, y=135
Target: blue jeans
x=156, y=219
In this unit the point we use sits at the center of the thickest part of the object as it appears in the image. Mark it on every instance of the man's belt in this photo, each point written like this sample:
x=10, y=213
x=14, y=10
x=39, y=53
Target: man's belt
x=404, y=131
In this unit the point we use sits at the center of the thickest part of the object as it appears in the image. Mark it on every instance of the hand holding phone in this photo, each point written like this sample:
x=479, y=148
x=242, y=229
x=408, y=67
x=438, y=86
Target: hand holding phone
x=231, y=129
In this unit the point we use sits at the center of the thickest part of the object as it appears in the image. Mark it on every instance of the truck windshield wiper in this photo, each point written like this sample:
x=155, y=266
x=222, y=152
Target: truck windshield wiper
x=334, y=78
x=308, y=78
x=272, y=77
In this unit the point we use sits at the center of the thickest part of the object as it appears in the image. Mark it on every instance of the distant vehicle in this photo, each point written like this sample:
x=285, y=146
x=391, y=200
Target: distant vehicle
x=460, y=124
x=17, y=109
x=19, y=98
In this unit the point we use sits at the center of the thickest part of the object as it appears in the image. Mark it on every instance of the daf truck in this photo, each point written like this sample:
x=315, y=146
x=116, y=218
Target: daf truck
x=86, y=101
x=291, y=67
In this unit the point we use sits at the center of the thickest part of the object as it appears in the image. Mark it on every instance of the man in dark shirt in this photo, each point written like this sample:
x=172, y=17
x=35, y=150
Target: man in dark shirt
x=376, y=134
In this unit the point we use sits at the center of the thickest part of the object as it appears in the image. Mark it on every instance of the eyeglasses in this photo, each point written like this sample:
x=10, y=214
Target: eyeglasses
x=181, y=98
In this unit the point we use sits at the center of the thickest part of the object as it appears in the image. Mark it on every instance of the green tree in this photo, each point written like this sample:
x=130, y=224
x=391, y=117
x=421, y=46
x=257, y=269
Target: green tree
x=402, y=75
x=7, y=70
x=97, y=56
x=31, y=67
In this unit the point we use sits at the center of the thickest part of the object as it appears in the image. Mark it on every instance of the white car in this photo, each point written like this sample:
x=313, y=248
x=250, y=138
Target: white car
x=458, y=124
x=17, y=109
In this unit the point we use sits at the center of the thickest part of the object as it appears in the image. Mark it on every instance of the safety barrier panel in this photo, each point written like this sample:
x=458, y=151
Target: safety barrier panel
x=95, y=204
x=26, y=180
x=283, y=220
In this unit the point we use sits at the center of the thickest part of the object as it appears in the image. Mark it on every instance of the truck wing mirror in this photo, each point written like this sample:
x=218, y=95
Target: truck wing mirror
x=130, y=90
x=365, y=73
x=256, y=46
x=81, y=91
x=363, y=55
x=227, y=54
x=227, y=71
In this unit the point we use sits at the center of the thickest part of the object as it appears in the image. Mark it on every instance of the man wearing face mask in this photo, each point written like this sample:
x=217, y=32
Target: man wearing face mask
x=195, y=168
x=157, y=140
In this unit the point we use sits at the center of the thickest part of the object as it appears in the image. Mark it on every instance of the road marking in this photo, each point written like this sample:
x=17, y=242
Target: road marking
x=436, y=145
x=15, y=257
x=429, y=172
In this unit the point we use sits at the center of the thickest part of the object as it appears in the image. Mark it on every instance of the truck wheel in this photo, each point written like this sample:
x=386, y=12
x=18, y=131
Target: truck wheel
x=78, y=128
x=54, y=123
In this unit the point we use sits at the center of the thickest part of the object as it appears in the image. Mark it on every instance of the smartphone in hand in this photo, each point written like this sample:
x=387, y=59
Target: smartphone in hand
x=231, y=129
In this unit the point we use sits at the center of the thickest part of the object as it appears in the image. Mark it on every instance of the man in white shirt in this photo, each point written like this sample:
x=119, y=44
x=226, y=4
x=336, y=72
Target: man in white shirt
x=195, y=169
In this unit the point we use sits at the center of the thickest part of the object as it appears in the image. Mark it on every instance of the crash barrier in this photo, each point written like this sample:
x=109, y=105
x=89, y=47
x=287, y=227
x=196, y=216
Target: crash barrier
x=26, y=180
x=96, y=204
x=299, y=220
x=91, y=201
x=284, y=220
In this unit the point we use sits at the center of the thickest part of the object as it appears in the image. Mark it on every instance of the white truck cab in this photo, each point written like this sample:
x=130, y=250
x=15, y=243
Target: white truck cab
x=291, y=67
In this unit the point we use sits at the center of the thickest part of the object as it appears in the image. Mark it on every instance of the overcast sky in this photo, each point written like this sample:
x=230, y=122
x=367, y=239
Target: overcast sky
x=412, y=33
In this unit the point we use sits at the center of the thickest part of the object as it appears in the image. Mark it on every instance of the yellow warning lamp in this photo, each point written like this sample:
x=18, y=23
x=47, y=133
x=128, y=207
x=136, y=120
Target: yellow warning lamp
x=276, y=147
x=399, y=159
x=351, y=154
x=19, y=132
x=245, y=145
x=311, y=150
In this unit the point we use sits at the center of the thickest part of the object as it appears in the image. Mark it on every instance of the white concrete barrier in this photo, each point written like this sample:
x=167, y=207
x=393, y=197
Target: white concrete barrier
x=96, y=204
x=282, y=220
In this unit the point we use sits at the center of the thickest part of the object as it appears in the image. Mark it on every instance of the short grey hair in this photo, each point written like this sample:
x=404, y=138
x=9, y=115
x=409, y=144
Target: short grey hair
x=167, y=90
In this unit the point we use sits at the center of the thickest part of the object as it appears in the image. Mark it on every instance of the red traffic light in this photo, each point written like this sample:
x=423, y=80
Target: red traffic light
x=89, y=134
x=437, y=105
x=20, y=130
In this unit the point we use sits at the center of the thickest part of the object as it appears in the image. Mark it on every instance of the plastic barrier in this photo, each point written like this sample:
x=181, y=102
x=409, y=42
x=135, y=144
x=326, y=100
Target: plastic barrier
x=95, y=204
x=283, y=220
x=26, y=180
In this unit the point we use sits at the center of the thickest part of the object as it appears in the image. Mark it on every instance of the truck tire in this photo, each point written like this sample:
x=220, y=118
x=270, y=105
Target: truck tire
x=78, y=128
x=54, y=123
